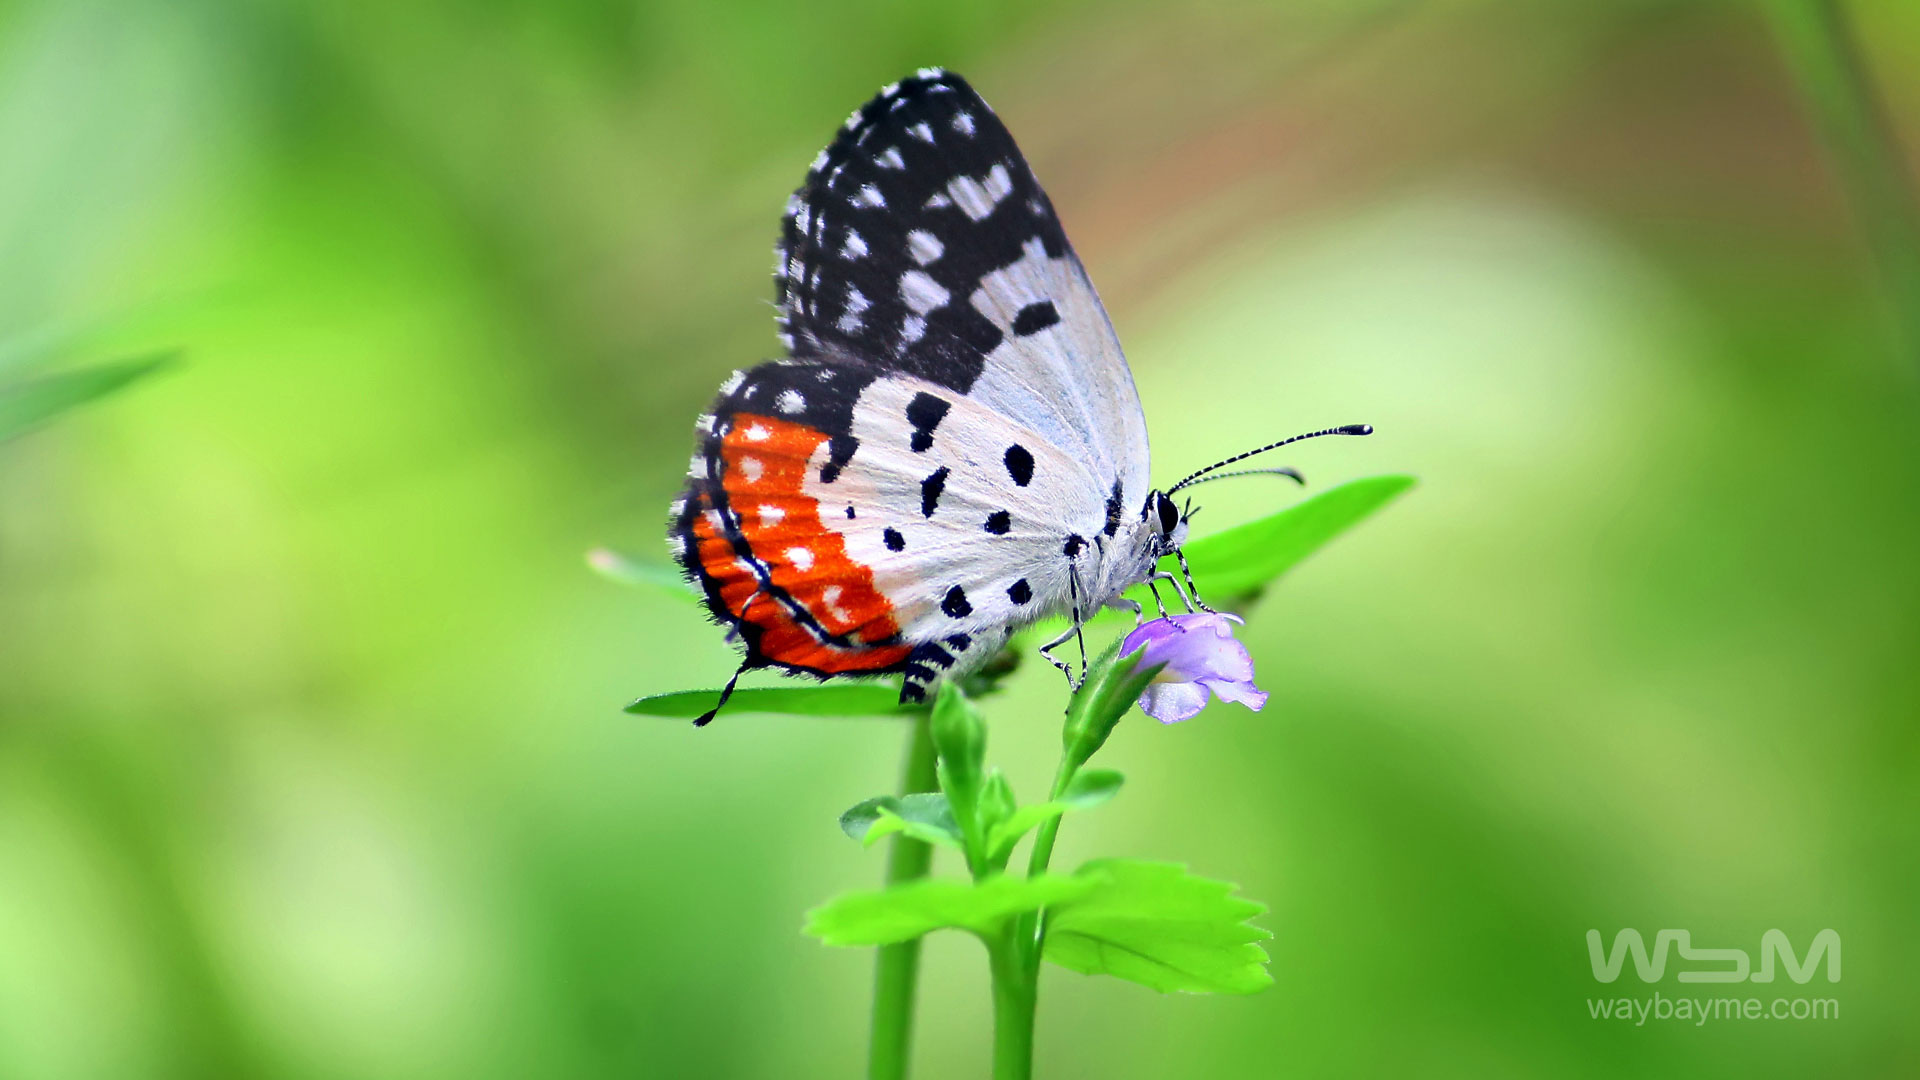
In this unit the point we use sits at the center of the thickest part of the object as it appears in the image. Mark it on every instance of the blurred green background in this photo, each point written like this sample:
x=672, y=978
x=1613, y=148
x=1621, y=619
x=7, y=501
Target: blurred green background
x=311, y=758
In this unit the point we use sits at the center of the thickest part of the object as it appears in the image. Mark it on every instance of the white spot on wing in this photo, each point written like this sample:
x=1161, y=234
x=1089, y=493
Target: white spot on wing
x=937, y=201
x=758, y=433
x=820, y=161
x=931, y=73
x=962, y=123
x=868, y=195
x=890, y=159
x=733, y=382
x=771, y=515
x=790, y=402
x=922, y=132
x=850, y=321
x=855, y=245
x=830, y=599
x=922, y=293
x=800, y=557
x=912, y=329
x=752, y=469
x=924, y=246
x=979, y=197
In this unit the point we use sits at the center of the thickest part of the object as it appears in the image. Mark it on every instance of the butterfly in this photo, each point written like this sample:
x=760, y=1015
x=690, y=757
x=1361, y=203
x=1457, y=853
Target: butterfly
x=953, y=447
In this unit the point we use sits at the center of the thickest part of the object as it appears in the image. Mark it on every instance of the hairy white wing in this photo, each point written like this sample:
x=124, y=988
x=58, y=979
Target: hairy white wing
x=965, y=516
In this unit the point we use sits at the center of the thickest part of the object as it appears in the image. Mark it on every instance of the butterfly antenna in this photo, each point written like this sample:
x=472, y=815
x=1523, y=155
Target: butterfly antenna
x=1348, y=429
x=1297, y=478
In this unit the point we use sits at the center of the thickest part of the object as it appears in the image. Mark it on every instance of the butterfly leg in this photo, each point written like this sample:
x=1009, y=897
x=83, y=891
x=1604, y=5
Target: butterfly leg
x=1170, y=579
x=1186, y=572
x=1124, y=604
x=1065, y=668
x=1073, y=632
x=1159, y=604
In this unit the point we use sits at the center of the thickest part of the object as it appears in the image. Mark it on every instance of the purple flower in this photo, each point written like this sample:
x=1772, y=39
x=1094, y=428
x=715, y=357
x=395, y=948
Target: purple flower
x=1201, y=655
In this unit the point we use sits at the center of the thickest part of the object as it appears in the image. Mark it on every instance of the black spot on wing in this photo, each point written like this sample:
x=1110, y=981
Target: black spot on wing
x=1034, y=318
x=1071, y=548
x=894, y=541
x=1020, y=592
x=839, y=451
x=924, y=413
x=955, y=603
x=930, y=489
x=999, y=522
x=1113, y=510
x=1020, y=464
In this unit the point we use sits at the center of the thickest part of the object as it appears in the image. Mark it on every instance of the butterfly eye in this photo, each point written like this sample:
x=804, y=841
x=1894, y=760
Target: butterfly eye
x=1169, y=514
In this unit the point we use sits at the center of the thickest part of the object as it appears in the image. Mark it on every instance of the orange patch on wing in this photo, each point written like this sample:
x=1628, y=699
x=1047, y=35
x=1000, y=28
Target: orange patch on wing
x=766, y=469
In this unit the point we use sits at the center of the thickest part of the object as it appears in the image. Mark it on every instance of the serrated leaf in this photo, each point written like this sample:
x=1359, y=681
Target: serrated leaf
x=905, y=912
x=627, y=570
x=1246, y=557
x=855, y=700
x=1088, y=788
x=923, y=816
x=1157, y=925
x=26, y=404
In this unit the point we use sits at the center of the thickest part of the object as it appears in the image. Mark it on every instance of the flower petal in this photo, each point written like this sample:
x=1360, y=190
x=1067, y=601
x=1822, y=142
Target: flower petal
x=1171, y=703
x=1240, y=693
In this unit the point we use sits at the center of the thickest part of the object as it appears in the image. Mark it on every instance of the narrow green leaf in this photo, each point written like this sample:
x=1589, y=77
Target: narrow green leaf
x=960, y=736
x=1088, y=788
x=855, y=700
x=1246, y=557
x=26, y=404
x=923, y=816
x=905, y=912
x=1113, y=684
x=1157, y=925
x=627, y=570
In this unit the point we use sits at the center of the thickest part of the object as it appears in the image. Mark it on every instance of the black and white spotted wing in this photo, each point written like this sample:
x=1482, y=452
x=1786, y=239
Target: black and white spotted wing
x=921, y=243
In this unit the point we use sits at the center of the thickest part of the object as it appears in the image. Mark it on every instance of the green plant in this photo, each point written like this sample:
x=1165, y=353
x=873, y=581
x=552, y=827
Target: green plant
x=1148, y=922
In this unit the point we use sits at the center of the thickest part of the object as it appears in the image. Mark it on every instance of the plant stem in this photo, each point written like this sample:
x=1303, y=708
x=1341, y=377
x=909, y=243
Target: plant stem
x=1042, y=852
x=1819, y=43
x=1013, y=1005
x=897, y=968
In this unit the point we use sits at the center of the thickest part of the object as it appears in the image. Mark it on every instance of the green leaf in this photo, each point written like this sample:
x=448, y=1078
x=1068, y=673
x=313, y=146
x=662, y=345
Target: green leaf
x=855, y=700
x=923, y=816
x=996, y=798
x=960, y=736
x=26, y=404
x=1247, y=557
x=1088, y=788
x=1113, y=684
x=1155, y=924
x=627, y=570
x=905, y=912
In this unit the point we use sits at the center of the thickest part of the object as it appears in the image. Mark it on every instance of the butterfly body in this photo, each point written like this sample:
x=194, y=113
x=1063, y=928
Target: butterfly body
x=954, y=448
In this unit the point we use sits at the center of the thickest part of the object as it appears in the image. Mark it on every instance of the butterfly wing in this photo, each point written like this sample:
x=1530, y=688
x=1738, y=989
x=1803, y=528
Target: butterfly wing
x=921, y=243
x=955, y=424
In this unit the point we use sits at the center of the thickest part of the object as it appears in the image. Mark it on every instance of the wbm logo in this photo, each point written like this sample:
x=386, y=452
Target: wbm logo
x=1652, y=967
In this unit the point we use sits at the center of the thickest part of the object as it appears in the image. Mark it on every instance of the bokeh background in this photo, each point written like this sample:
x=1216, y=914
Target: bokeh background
x=311, y=757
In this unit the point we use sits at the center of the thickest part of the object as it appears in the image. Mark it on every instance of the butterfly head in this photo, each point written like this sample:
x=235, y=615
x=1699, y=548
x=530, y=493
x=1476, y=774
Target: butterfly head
x=1166, y=524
